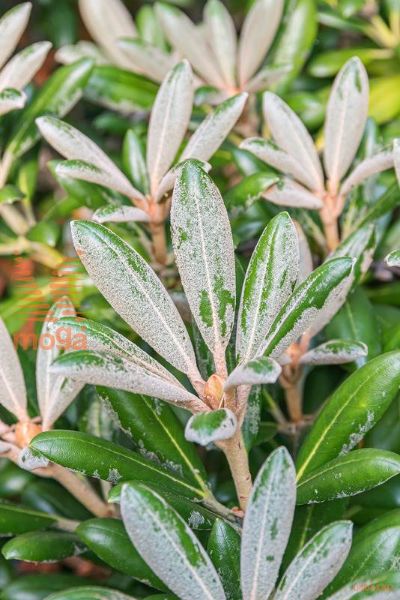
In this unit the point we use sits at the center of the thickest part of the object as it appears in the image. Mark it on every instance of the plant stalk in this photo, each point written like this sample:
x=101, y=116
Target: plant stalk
x=159, y=242
x=236, y=455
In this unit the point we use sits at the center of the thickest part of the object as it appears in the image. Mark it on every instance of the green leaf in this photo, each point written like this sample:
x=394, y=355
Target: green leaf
x=208, y=427
x=203, y=246
x=90, y=593
x=311, y=305
x=38, y=587
x=108, y=539
x=9, y=194
x=134, y=162
x=393, y=259
x=385, y=203
x=223, y=548
x=168, y=545
x=157, y=432
x=120, y=90
x=50, y=497
x=360, y=245
x=42, y=546
x=375, y=552
x=11, y=99
x=133, y=289
x=107, y=461
x=317, y=563
x=327, y=64
x=45, y=232
x=270, y=278
x=58, y=95
x=348, y=475
x=351, y=411
x=250, y=189
x=356, y=320
x=19, y=519
x=267, y=523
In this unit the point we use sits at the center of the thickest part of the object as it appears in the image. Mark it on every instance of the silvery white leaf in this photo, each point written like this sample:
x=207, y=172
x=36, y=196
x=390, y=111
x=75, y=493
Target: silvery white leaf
x=168, y=545
x=99, y=368
x=290, y=193
x=270, y=153
x=270, y=277
x=12, y=25
x=346, y=116
x=203, y=246
x=222, y=39
x=21, y=69
x=317, y=563
x=267, y=76
x=72, y=144
x=210, y=134
x=49, y=386
x=83, y=49
x=334, y=352
x=169, y=121
x=255, y=372
x=267, y=524
x=101, y=338
x=12, y=384
x=107, y=21
x=291, y=136
x=135, y=292
x=190, y=43
x=147, y=59
x=370, y=166
x=212, y=426
x=120, y=214
x=257, y=35
x=393, y=259
x=11, y=100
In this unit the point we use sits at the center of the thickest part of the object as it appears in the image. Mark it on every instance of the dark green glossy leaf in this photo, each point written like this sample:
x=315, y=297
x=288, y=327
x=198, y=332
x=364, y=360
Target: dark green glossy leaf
x=38, y=587
x=106, y=460
x=224, y=550
x=156, y=430
x=348, y=475
x=42, y=546
x=90, y=593
x=250, y=189
x=351, y=411
x=50, y=497
x=16, y=519
x=108, y=539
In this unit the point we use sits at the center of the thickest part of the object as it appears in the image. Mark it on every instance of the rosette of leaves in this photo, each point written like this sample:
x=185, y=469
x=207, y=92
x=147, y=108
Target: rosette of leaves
x=292, y=151
x=272, y=314
x=151, y=177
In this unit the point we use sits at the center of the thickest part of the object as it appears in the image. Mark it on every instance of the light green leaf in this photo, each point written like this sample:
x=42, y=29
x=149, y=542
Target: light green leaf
x=168, y=545
x=208, y=427
x=266, y=525
x=393, y=259
x=203, y=246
